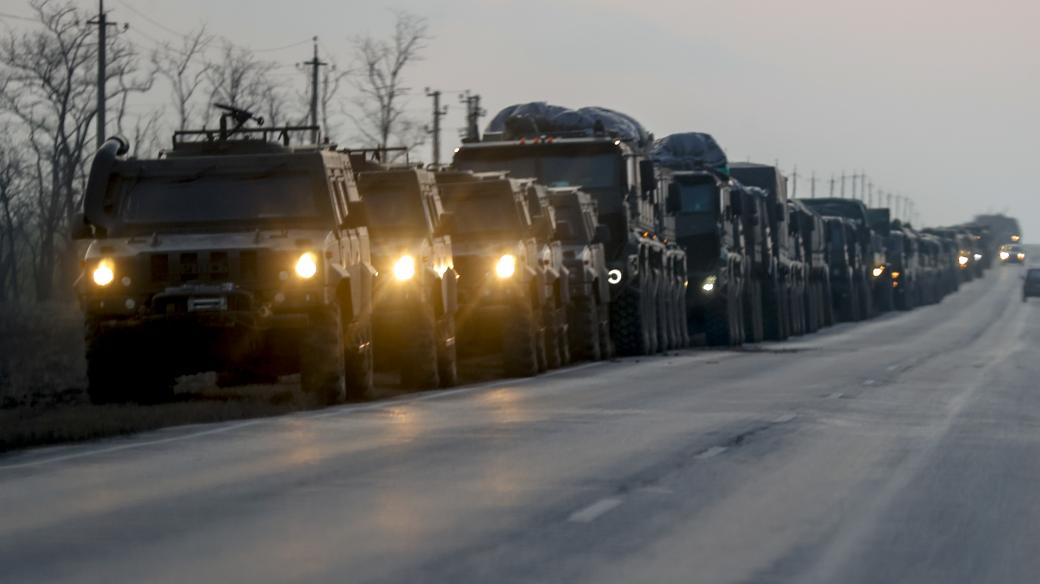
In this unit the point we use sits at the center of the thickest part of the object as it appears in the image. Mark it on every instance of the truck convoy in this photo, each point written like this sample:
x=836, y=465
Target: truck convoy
x=561, y=234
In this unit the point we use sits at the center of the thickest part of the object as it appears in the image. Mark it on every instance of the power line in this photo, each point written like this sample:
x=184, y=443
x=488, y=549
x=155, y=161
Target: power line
x=16, y=17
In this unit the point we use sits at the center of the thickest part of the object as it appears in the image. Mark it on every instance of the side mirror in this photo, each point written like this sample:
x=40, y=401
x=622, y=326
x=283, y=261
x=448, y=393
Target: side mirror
x=673, y=202
x=79, y=228
x=602, y=234
x=357, y=215
x=446, y=224
x=646, y=176
x=736, y=203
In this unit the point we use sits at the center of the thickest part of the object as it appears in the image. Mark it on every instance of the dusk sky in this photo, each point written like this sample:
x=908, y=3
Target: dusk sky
x=934, y=100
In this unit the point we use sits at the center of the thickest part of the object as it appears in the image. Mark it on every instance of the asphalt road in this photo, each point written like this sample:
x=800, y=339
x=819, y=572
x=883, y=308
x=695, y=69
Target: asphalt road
x=905, y=449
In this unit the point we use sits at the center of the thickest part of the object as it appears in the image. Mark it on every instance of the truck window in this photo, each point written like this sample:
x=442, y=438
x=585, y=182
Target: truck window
x=697, y=198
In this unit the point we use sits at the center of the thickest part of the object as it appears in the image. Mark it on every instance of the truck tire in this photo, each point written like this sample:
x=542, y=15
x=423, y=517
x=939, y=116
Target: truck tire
x=520, y=343
x=719, y=322
x=419, y=366
x=447, y=353
x=772, y=309
x=358, y=360
x=606, y=343
x=321, y=357
x=653, y=306
x=628, y=326
x=828, y=303
x=585, y=330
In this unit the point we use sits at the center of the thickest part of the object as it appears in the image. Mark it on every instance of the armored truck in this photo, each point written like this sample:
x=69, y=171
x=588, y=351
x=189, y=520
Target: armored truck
x=776, y=301
x=813, y=239
x=502, y=277
x=556, y=275
x=709, y=227
x=416, y=285
x=605, y=154
x=234, y=251
x=869, y=257
x=758, y=242
x=580, y=234
x=880, y=221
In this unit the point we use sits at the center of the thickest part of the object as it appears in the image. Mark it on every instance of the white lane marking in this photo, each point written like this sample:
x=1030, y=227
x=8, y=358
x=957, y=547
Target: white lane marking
x=784, y=418
x=594, y=511
x=711, y=452
x=111, y=449
x=836, y=395
x=891, y=367
x=870, y=382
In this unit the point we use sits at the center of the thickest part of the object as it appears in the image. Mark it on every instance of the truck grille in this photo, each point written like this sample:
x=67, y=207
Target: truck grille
x=216, y=266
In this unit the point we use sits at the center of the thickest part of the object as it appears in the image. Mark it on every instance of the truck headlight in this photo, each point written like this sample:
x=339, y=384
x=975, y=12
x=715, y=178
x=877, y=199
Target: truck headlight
x=307, y=265
x=1021, y=256
x=104, y=273
x=962, y=260
x=404, y=268
x=506, y=266
x=978, y=256
x=614, y=276
x=878, y=271
x=709, y=284
x=1004, y=255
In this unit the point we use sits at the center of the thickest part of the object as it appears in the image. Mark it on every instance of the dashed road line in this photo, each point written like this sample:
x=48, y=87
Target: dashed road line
x=594, y=511
x=711, y=452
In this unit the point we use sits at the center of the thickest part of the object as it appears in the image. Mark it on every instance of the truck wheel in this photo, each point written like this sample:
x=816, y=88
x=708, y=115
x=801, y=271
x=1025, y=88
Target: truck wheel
x=585, y=330
x=358, y=360
x=606, y=343
x=650, y=319
x=519, y=343
x=562, y=333
x=628, y=326
x=773, y=311
x=447, y=353
x=321, y=357
x=753, y=327
x=419, y=362
x=718, y=322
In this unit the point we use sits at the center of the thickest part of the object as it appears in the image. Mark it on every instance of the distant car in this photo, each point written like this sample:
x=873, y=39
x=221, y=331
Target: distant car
x=1012, y=254
x=1031, y=287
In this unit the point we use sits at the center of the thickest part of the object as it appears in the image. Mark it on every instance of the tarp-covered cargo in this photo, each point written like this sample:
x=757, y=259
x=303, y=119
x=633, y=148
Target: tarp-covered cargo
x=690, y=151
x=538, y=118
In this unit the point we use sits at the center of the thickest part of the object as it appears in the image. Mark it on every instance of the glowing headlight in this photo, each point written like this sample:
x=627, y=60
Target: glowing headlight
x=977, y=256
x=307, y=265
x=614, y=276
x=1021, y=256
x=506, y=266
x=962, y=260
x=404, y=268
x=878, y=271
x=709, y=283
x=1015, y=238
x=895, y=275
x=104, y=273
x=1004, y=255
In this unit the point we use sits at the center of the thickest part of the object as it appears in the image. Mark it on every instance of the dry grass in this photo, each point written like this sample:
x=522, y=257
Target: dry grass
x=43, y=387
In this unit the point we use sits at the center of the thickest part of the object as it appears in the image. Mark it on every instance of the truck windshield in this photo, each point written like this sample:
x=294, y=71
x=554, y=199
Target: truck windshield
x=697, y=198
x=217, y=199
x=589, y=171
x=394, y=211
x=477, y=215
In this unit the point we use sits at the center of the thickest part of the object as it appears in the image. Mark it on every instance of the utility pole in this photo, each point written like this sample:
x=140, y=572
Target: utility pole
x=794, y=178
x=843, y=184
x=315, y=64
x=854, y=177
x=812, y=187
x=870, y=192
x=832, y=187
x=102, y=23
x=435, y=130
x=471, y=133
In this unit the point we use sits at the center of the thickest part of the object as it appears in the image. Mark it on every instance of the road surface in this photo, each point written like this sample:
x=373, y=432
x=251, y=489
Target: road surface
x=905, y=449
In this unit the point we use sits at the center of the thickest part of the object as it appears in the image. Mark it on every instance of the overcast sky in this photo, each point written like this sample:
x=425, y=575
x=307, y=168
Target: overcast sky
x=935, y=100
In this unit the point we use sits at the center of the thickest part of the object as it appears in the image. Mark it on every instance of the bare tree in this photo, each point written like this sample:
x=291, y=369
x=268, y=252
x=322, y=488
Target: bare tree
x=238, y=78
x=49, y=88
x=379, y=81
x=185, y=68
x=13, y=173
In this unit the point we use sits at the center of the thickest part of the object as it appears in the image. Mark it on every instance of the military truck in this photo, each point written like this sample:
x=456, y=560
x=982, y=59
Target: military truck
x=234, y=251
x=556, y=275
x=880, y=221
x=605, y=154
x=901, y=247
x=709, y=227
x=844, y=261
x=416, y=285
x=868, y=254
x=502, y=278
x=579, y=233
x=763, y=272
x=776, y=301
x=1004, y=229
x=813, y=238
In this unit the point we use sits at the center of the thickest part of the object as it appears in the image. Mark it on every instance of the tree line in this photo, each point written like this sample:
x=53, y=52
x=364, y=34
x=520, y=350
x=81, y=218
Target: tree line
x=48, y=108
